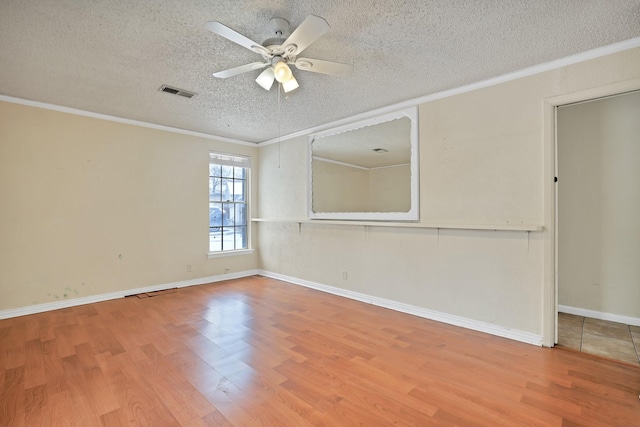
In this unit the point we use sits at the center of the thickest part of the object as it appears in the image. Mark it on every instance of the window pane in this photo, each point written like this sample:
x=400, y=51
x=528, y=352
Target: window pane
x=214, y=170
x=220, y=189
x=226, y=186
x=240, y=214
x=215, y=242
x=227, y=171
x=215, y=216
x=214, y=189
x=238, y=173
x=228, y=241
x=241, y=237
x=239, y=188
x=227, y=214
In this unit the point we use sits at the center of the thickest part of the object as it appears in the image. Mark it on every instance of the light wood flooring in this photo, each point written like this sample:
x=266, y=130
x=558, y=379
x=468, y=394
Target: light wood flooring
x=260, y=352
x=601, y=337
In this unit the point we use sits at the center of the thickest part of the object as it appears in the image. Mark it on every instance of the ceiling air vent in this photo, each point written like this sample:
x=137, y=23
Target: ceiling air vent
x=176, y=91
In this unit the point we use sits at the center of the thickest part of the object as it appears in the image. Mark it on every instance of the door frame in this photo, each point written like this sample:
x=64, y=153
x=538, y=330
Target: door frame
x=550, y=105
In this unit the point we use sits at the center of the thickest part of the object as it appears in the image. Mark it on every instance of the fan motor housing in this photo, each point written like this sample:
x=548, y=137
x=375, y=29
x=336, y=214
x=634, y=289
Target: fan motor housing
x=280, y=26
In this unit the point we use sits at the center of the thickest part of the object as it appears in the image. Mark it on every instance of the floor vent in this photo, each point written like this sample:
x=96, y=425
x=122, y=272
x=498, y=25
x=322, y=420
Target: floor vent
x=176, y=91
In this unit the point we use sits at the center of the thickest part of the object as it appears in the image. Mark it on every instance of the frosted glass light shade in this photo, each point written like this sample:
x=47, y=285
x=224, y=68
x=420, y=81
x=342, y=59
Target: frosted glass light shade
x=266, y=78
x=282, y=72
x=290, y=85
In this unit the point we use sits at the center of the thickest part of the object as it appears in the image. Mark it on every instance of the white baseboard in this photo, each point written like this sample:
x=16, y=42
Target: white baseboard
x=450, y=319
x=628, y=320
x=55, y=305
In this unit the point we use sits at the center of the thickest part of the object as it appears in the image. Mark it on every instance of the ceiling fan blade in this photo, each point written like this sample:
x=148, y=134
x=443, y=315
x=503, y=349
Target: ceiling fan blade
x=239, y=70
x=311, y=29
x=323, y=67
x=229, y=34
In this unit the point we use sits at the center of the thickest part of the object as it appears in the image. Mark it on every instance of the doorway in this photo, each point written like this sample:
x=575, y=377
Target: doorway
x=598, y=232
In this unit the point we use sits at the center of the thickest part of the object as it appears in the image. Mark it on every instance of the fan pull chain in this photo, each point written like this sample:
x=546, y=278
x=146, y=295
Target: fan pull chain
x=279, y=120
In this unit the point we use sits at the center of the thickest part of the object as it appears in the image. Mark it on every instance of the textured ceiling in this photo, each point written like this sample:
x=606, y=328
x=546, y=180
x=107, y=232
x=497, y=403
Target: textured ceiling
x=110, y=57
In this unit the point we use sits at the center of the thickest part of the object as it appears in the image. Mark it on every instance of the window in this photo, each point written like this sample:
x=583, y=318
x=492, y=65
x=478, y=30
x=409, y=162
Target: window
x=228, y=197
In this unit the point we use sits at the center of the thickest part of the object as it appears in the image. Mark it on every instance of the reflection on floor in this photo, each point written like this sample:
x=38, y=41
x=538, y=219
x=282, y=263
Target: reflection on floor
x=600, y=337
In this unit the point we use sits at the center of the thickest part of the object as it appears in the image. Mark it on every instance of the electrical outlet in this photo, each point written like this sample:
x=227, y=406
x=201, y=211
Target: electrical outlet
x=188, y=268
x=344, y=275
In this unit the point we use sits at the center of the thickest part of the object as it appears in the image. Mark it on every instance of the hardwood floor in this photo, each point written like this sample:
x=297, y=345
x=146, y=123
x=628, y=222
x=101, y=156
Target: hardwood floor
x=260, y=352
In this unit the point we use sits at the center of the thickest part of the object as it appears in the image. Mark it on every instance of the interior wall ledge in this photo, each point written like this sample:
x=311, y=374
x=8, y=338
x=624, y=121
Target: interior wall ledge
x=482, y=227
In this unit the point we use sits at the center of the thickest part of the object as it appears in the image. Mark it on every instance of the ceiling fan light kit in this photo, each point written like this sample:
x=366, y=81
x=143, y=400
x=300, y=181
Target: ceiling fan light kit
x=282, y=71
x=279, y=53
x=289, y=85
x=266, y=78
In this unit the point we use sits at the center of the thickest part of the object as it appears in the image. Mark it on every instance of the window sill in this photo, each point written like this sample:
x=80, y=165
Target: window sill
x=229, y=253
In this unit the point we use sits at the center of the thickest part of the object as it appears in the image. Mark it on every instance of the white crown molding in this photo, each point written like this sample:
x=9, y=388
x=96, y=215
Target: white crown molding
x=525, y=337
x=116, y=119
x=628, y=320
x=536, y=69
x=525, y=72
x=335, y=162
x=349, y=165
x=56, y=305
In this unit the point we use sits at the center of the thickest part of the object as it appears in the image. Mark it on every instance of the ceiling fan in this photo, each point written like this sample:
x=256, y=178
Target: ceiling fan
x=279, y=53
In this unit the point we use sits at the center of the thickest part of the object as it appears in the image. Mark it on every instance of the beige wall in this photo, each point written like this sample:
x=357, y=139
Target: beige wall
x=390, y=189
x=482, y=161
x=91, y=207
x=599, y=205
x=339, y=188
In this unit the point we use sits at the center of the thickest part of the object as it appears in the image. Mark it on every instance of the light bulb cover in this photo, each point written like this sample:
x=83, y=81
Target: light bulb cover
x=291, y=84
x=266, y=78
x=282, y=72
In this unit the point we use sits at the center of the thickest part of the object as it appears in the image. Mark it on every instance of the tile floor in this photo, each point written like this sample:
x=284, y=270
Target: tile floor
x=601, y=337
